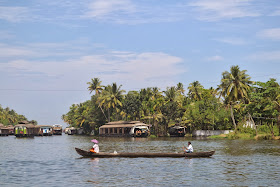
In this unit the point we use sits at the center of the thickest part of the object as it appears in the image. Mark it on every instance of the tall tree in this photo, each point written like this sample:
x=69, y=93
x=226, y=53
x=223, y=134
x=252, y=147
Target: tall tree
x=234, y=87
x=95, y=85
x=111, y=97
x=195, y=90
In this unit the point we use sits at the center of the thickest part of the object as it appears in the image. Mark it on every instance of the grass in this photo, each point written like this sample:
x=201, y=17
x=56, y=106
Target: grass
x=245, y=136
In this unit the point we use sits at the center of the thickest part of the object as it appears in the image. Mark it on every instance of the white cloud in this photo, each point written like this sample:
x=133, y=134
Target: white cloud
x=135, y=12
x=215, y=58
x=13, y=14
x=232, y=41
x=266, y=56
x=11, y=51
x=101, y=8
x=273, y=34
x=141, y=69
x=214, y=10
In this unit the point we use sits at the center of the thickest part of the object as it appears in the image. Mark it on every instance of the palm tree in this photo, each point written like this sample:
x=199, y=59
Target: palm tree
x=95, y=85
x=195, y=90
x=234, y=87
x=111, y=97
x=170, y=93
x=180, y=88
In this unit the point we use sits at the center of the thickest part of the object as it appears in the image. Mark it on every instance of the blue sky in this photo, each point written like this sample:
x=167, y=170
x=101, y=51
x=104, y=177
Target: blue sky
x=49, y=50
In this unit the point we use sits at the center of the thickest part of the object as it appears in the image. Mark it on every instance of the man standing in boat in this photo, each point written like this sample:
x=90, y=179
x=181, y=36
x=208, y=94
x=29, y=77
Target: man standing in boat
x=188, y=149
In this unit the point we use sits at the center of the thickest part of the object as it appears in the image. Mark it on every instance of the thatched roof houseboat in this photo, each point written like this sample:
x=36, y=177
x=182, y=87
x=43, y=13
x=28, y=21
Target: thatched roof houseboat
x=125, y=128
x=4, y=131
x=177, y=130
x=24, y=130
x=11, y=129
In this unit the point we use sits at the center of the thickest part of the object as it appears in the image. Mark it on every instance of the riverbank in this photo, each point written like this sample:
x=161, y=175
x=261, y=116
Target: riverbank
x=245, y=136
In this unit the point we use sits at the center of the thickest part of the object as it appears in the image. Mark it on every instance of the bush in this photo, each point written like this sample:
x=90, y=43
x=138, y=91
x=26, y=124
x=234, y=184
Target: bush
x=153, y=136
x=265, y=129
x=246, y=130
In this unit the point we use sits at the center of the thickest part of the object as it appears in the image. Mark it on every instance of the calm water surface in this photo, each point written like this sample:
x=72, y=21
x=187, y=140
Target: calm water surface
x=53, y=161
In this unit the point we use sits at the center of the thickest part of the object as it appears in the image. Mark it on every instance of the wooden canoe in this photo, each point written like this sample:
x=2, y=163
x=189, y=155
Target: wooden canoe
x=146, y=155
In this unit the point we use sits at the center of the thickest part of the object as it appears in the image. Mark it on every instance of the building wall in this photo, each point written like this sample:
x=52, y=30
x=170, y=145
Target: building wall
x=210, y=132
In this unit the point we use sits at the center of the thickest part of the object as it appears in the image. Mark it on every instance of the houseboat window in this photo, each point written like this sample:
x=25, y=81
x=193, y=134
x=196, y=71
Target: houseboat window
x=111, y=130
x=106, y=131
x=120, y=130
x=115, y=130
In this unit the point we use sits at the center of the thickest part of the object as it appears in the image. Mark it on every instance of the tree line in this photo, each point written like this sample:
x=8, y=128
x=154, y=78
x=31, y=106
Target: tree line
x=10, y=117
x=235, y=101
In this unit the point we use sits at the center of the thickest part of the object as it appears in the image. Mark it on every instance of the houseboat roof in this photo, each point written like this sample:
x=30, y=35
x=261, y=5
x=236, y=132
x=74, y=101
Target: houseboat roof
x=23, y=122
x=1, y=124
x=116, y=124
x=43, y=126
x=3, y=127
x=57, y=125
x=177, y=127
x=26, y=125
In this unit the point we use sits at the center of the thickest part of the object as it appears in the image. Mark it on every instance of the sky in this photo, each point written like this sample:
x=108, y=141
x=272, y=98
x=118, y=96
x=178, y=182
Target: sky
x=49, y=50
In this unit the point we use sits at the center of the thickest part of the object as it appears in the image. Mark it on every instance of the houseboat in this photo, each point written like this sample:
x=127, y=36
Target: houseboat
x=125, y=128
x=11, y=129
x=43, y=130
x=4, y=131
x=57, y=129
x=24, y=130
x=177, y=131
x=72, y=131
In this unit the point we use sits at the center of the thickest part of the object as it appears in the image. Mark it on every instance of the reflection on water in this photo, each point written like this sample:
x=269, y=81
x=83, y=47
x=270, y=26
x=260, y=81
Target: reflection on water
x=52, y=161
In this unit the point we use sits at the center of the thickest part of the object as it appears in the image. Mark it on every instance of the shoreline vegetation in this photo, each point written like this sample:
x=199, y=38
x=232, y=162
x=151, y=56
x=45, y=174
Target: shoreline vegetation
x=251, y=109
x=10, y=117
x=238, y=104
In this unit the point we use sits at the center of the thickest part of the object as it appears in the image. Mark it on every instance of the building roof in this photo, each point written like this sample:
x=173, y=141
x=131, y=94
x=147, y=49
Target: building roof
x=116, y=124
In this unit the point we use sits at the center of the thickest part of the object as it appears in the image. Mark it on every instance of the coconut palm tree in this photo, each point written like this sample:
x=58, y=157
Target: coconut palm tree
x=234, y=87
x=170, y=93
x=95, y=85
x=180, y=88
x=111, y=97
x=195, y=90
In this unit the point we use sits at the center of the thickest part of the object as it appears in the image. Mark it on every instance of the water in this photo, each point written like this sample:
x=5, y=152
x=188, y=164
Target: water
x=53, y=161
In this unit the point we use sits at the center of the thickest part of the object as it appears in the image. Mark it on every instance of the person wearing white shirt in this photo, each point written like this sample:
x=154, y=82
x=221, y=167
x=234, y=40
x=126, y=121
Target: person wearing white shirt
x=96, y=148
x=188, y=149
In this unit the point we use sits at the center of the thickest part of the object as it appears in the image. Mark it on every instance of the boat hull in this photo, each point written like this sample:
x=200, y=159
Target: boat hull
x=145, y=155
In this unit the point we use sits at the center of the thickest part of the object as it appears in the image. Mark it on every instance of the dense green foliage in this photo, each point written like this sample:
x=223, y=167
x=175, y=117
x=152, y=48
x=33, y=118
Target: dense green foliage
x=236, y=101
x=10, y=117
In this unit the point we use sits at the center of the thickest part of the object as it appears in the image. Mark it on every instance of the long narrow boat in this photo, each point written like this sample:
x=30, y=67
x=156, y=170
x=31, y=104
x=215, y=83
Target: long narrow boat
x=146, y=155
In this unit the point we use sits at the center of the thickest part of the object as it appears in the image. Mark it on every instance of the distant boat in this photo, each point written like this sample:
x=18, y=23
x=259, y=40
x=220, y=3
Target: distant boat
x=43, y=130
x=125, y=128
x=57, y=129
x=177, y=130
x=24, y=130
x=72, y=131
x=145, y=155
x=4, y=131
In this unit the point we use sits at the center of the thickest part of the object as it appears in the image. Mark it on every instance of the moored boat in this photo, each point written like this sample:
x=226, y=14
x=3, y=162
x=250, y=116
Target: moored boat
x=146, y=155
x=57, y=129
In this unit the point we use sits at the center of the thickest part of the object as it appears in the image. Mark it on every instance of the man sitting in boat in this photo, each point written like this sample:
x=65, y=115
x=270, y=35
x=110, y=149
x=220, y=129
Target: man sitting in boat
x=95, y=147
x=188, y=149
